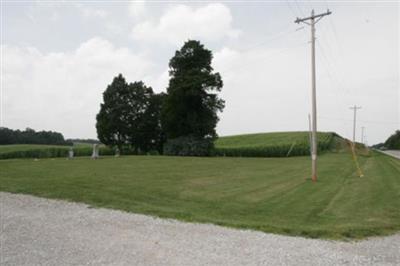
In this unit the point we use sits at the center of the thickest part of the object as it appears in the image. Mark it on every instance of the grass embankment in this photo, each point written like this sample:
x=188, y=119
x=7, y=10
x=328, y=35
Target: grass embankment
x=277, y=144
x=267, y=194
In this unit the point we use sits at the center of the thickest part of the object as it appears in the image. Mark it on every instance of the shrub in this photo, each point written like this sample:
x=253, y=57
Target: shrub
x=188, y=146
x=36, y=153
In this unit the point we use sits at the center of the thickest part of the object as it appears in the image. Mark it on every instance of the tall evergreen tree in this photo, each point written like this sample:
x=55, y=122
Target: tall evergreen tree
x=111, y=124
x=192, y=103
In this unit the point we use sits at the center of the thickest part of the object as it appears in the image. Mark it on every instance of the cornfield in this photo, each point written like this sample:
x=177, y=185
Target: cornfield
x=271, y=144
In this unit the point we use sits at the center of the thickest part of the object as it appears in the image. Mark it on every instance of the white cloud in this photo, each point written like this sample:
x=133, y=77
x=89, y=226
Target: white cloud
x=63, y=91
x=89, y=12
x=264, y=89
x=158, y=81
x=95, y=13
x=257, y=88
x=269, y=90
x=137, y=9
x=179, y=23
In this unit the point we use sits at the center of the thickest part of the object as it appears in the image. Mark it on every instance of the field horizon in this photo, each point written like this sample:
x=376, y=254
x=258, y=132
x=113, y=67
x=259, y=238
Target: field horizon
x=267, y=144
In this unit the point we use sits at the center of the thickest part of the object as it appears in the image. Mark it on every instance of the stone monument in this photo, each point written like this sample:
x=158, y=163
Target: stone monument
x=70, y=153
x=95, y=153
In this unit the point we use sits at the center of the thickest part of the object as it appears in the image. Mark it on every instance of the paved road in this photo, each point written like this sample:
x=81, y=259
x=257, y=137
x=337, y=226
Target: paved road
x=36, y=231
x=393, y=153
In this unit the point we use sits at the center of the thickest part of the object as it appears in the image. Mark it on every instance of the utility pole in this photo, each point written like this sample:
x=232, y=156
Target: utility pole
x=309, y=134
x=313, y=20
x=362, y=134
x=354, y=108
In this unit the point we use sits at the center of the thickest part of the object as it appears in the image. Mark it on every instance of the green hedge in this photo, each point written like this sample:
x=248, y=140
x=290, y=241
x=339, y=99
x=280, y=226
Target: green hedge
x=62, y=151
x=188, y=146
x=54, y=152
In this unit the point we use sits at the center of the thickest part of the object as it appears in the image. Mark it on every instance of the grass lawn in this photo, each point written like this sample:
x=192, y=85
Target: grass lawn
x=267, y=194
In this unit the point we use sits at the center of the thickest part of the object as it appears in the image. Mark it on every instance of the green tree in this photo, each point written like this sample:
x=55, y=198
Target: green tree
x=393, y=142
x=153, y=135
x=145, y=132
x=129, y=116
x=30, y=136
x=192, y=103
x=111, y=126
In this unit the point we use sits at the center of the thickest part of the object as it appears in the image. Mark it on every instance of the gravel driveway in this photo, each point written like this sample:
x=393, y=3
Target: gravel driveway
x=36, y=231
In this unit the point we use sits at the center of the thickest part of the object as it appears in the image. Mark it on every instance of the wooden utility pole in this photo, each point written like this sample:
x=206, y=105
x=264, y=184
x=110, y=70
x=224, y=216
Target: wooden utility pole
x=354, y=122
x=309, y=133
x=362, y=134
x=313, y=20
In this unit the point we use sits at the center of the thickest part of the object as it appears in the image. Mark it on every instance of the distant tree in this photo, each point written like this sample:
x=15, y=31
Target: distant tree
x=8, y=136
x=192, y=104
x=30, y=136
x=129, y=116
x=379, y=146
x=393, y=142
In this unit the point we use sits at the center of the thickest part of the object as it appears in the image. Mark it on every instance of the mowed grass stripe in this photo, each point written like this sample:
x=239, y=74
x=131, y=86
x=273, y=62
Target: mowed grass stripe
x=241, y=184
x=268, y=194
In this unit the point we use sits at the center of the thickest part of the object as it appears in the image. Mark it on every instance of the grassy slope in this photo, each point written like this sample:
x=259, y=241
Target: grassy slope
x=268, y=194
x=266, y=139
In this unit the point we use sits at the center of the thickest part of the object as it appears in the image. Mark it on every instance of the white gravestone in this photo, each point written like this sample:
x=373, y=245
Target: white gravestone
x=95, y=153
x=70, y=153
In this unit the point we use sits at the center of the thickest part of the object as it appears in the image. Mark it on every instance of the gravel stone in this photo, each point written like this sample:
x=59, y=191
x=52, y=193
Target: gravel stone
x=37, y=231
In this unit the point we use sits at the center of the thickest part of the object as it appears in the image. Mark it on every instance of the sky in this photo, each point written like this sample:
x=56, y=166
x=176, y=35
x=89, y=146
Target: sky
x=57, y=58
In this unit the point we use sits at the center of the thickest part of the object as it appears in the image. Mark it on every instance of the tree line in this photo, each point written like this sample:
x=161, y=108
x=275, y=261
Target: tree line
x=392, y=143
x=30, y=136
x=181, y=121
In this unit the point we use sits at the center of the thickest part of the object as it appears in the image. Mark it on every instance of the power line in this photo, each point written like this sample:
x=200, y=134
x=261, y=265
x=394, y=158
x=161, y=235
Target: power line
x=290, y=7
x=269, y=55
x=277, y=36
x=335, y=37
x=362, y=134
x=329, y=66
x=364, y=121
x=299, y=8
x=244, y=65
